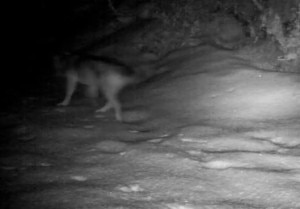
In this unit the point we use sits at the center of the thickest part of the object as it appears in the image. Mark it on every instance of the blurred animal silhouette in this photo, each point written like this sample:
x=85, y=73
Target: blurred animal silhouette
x=100, y=74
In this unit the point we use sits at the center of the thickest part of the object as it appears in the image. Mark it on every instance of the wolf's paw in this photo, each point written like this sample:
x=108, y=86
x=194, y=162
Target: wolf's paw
x=101, y=110
x=105, y=108
x=62, y=104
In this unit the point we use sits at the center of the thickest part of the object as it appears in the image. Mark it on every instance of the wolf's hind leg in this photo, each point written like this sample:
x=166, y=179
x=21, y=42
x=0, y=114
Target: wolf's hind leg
x=112, y=102
x=117, y=107
x=111, y=95
x=105, y=108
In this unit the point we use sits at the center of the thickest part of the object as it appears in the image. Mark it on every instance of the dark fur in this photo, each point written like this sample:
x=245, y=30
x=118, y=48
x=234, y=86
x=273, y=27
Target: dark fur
x=66, y=61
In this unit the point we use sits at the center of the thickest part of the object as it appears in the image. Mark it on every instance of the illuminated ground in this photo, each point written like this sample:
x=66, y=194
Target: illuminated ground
x=213, y=133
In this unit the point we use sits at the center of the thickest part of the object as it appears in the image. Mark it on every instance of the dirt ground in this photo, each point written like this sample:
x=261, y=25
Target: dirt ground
x=214, y=132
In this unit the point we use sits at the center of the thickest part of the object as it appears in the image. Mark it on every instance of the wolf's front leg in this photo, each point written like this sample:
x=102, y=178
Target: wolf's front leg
x=71, y=84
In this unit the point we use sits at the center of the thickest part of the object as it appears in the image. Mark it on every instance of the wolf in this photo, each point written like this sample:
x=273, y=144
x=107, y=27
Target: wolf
x=100, y=74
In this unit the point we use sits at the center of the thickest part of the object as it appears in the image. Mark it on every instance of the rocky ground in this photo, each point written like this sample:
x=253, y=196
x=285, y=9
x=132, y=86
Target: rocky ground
x=214, y=132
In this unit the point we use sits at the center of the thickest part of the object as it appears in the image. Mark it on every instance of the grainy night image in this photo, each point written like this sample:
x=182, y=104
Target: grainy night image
x=152, y=104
